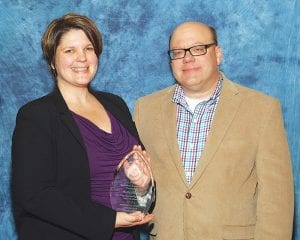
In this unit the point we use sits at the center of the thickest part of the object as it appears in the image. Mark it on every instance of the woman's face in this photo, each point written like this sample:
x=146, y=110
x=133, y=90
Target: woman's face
x=75, y=60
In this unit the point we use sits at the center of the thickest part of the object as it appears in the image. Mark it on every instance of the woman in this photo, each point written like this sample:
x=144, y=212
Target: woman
x=67, y=144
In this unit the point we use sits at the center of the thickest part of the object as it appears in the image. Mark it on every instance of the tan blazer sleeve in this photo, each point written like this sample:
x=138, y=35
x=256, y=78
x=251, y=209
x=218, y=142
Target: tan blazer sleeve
x=275, y=203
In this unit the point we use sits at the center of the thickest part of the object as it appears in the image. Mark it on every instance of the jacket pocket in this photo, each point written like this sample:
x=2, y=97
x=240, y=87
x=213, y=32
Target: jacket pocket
x=237, y=232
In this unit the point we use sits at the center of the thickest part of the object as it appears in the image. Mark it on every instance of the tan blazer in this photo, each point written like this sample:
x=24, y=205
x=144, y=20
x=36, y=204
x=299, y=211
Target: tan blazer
x=243, y=184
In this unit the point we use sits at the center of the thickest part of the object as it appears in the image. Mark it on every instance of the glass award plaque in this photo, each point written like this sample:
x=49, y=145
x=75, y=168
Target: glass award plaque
x=132, y=188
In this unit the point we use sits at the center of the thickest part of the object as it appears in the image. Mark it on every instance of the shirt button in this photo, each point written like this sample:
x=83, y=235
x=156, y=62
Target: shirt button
x=188, y=195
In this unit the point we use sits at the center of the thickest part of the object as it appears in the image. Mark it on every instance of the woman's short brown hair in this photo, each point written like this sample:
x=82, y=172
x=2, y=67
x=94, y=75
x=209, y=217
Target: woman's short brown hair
x=58, y=27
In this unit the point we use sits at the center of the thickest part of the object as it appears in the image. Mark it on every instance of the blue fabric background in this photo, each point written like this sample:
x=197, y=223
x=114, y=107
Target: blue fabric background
x=260, y=41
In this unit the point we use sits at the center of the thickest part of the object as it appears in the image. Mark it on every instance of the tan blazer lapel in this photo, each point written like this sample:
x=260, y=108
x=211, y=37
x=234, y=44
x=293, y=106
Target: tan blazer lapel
x=225, y=112
x=168, y=118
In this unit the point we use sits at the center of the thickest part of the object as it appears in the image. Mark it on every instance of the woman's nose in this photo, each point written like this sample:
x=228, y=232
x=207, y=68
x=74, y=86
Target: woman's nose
x=81, y=56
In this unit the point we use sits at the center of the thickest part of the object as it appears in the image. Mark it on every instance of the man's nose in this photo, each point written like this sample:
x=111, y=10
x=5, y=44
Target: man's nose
x=188, y=56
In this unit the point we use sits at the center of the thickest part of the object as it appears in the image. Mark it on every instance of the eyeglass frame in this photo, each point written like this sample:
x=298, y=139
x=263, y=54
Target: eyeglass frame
x=188, y=50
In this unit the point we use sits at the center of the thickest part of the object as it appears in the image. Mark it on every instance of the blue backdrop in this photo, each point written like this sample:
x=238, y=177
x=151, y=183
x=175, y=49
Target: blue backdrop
x=260, y=41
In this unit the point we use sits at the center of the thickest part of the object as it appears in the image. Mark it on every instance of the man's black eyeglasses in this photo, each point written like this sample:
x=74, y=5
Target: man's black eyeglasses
x=197, y=50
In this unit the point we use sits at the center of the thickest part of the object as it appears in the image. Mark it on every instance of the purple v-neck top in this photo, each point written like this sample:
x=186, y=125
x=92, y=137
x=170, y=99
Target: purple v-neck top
x=105, y=151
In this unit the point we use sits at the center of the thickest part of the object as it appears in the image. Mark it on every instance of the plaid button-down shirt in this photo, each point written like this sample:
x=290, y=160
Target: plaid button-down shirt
x=193, y=127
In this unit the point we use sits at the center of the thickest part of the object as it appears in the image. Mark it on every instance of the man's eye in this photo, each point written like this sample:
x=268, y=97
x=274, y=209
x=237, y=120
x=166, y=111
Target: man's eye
x=177, y=53
x=198, y=49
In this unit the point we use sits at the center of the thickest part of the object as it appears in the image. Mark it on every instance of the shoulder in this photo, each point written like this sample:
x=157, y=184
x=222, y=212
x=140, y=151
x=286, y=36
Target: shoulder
x=113, y=103
x=109, y=97
x=158, y=96
x=118, y=108
x=39, y=105
x=251, y=102
x=38, y=110
x=249, y=95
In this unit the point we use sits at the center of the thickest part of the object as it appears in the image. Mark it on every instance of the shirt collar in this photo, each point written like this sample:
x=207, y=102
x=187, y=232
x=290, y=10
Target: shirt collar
x=179, y=98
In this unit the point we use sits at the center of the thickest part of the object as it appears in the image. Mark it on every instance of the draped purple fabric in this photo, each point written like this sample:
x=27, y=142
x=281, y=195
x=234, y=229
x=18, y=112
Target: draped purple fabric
x=105, y=151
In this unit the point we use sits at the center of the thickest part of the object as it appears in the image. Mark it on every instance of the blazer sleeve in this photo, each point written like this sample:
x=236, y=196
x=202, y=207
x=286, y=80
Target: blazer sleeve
x=34, y=184
x=275, y=203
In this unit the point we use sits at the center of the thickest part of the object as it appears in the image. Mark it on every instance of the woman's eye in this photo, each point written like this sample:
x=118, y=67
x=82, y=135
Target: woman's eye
x=90, y=49
x=68, y=51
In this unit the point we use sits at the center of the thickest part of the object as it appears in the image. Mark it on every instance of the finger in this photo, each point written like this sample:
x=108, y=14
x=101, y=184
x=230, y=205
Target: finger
x=147, y=218
x=137, y=147
x=146, y=156
x=135, y=216
x=124, y=219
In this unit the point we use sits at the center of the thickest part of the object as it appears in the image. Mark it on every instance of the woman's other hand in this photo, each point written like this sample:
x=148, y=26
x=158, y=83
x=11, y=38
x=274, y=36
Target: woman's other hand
x=132, y=219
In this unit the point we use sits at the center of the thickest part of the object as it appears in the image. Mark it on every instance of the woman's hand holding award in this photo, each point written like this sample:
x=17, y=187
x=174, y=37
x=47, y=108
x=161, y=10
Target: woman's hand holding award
x=133, y=187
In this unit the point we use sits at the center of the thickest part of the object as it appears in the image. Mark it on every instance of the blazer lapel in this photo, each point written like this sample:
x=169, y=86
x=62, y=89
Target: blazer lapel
x=119, y=110
x=227, y=107
x=168, y=119
x=111, y=106
x=65, y=115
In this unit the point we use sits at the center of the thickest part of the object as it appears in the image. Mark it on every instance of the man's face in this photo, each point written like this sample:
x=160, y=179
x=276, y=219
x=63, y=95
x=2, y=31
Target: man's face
x=196, y=74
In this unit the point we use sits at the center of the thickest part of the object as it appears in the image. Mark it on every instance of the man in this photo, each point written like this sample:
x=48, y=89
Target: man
x=219, y=151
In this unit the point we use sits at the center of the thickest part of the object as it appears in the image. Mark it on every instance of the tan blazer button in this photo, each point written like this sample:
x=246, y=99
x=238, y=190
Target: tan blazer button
x=188, y=195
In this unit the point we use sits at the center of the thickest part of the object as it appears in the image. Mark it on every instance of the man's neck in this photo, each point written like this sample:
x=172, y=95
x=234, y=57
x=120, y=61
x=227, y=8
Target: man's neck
x=200, y=95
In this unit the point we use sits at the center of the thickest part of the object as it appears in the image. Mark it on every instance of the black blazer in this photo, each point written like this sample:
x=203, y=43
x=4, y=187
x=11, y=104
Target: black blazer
x=50, y=172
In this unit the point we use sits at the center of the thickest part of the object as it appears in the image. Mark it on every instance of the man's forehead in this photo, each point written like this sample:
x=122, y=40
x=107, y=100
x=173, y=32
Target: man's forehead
x=191, y=27
x=191, y=33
